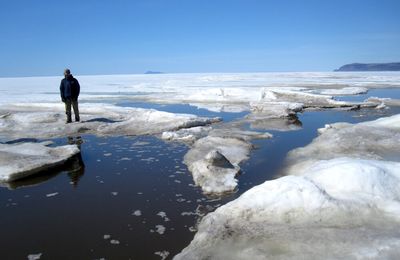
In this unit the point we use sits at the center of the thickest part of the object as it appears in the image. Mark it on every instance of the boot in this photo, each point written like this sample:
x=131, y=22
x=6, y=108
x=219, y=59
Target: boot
x=77, y=119
x=69, y=119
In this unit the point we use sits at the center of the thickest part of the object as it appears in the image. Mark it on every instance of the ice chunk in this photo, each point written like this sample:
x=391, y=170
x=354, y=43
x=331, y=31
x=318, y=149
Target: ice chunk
x=48, y=120
x=24, y=159
x=34, y=256
x=383, y=101
x=346, y=208
x=186, y=135
x=160, y=229
x=163, y=254
x=137, y=213
x=51, y=194
x=114, y=242
x=206, y=156
x=344, y=91
x=336, y=207
x=377, y=139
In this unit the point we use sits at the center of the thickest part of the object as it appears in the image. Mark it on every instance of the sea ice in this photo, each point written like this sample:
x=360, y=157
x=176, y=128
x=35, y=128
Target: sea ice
x=163, y=254
x=377, y=139
x=160, y=229
x=343, y=91
x=34, y=256
x=344, y=203
x=201, y=162
x=48, y=120
x=24, y=159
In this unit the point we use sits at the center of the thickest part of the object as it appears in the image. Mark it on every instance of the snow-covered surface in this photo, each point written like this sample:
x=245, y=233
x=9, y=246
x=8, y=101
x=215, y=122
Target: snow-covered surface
x=343, y=203
x=24, y=159
x=344, y=91
x=377, y=139
x=212, y=178
x=46, y=120
x=209, y=146
x=233, y=89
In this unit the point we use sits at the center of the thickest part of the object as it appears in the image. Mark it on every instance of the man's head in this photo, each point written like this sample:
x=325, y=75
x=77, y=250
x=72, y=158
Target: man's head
x=67, y=72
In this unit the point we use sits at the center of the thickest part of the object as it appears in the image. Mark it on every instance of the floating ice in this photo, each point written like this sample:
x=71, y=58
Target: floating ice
x=377, y=139
x=163, y=215
x=213, y=178
x=51, y=194
x=24, y=159
x=160, y=229
x=137, y=213
x=34, y=256
x=164, y=254
x=344, y=91
x=48, y=120
x=344, y=203
x=114, y=242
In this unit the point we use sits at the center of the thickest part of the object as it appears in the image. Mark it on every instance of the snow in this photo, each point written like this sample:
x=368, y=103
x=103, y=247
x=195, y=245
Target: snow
x=137, y=213
x=340, y=201
x=47, y=120
x=24, y=159
x=344, y=91
x=160, y=229
x=377, y=139
x=211, y=178
x=232, y=89
x=383, y=101
x=34, y=256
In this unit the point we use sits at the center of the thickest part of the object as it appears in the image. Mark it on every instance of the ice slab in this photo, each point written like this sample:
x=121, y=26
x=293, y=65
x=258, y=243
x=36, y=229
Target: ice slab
x=209, y=146
x=48, y=120
x=212, y=178
x=377, y=139
x=343, y=91
x=332, y=213
x=24, y=159
x=382, y=102
x=227, y=142
x=343, y=203
x=214, y=91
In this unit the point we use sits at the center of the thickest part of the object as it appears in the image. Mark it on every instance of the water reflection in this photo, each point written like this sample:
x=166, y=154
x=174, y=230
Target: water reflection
x=74, y=167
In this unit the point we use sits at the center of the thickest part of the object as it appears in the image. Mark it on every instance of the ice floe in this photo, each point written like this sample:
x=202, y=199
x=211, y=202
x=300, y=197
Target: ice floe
x=343, y=91
x=202, y=161
x=377, y=139
x=24, y=159
x=341, y=201
x=48, y=120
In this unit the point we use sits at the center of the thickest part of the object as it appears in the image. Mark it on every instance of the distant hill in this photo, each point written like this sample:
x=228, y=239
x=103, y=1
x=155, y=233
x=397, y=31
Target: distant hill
x=394, y=66
x=153, y=72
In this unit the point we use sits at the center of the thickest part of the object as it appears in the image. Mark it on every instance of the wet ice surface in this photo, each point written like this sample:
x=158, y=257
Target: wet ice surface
x=126, y=188
x=115, y=199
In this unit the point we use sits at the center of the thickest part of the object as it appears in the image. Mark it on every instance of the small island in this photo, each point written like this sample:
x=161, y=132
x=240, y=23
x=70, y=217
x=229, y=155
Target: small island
x=393, y=66
x=153, y=72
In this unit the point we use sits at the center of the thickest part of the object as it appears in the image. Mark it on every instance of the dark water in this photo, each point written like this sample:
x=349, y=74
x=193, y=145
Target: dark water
x=111, y=201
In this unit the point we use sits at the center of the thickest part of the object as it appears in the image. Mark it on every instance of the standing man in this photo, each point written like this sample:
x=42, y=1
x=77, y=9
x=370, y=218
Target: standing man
x=69, y=90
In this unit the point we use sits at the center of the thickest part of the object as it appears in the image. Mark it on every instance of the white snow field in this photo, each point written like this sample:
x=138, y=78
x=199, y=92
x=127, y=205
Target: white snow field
x=229, y=88
x=24, y=159
x=45, y=120
x=341, y=201
x=31, y=107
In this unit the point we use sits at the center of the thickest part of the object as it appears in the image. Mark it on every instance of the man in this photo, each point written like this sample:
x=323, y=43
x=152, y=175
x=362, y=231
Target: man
x=69, y=90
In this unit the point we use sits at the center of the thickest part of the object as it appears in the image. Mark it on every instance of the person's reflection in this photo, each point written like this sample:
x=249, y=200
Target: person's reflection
x=77, y=166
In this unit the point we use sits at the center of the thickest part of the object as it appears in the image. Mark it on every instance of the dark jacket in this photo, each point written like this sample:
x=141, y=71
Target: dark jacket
x=69, y=88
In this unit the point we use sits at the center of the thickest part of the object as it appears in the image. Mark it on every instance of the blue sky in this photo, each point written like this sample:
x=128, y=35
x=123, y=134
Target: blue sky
x=118, y=37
